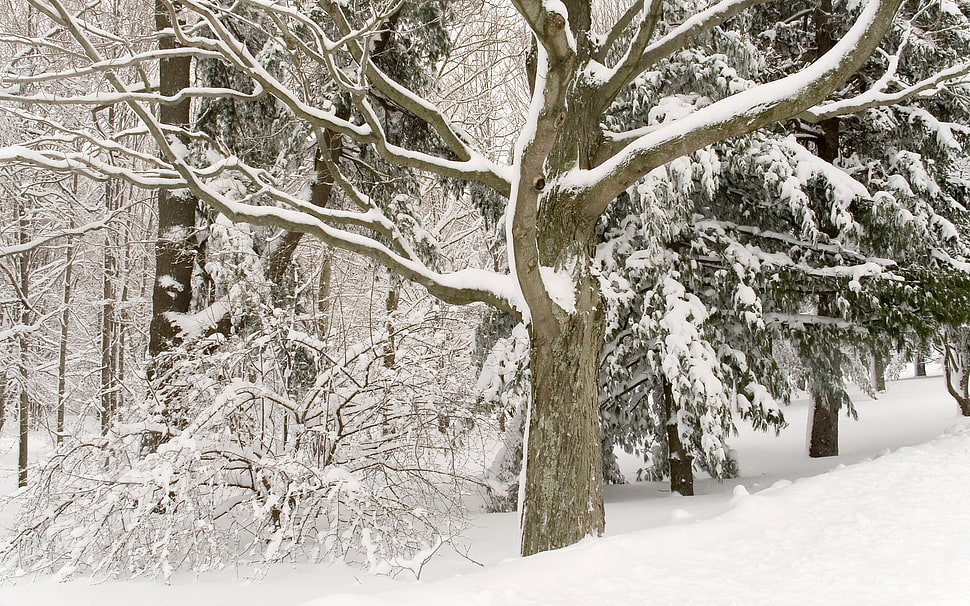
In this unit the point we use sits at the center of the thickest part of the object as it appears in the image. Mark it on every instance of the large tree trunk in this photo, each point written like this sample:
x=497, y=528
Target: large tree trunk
x=680, y=462
x=564, y=462
x=175, y=249
x=562, y=499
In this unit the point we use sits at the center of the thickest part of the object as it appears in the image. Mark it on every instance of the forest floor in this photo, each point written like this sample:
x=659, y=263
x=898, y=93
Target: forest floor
x=884, y=523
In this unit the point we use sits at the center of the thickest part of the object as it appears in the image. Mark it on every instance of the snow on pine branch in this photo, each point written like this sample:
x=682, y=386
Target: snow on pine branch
x=740, y=113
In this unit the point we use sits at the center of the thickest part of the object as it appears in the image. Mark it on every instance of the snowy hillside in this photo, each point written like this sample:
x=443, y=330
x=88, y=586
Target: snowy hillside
x=871, y=527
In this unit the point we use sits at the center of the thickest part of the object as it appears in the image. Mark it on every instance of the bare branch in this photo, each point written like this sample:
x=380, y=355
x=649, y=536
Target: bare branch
x=19, y=249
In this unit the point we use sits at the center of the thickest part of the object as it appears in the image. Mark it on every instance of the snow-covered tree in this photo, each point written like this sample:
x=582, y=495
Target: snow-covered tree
x=807, y=239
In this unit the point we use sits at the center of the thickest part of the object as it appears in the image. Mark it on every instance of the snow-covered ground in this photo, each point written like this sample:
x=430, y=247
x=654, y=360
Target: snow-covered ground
x=885, y=523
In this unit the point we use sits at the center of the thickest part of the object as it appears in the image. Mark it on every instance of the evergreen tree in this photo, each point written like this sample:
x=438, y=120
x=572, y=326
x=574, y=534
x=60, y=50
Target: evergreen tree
x=773, y=238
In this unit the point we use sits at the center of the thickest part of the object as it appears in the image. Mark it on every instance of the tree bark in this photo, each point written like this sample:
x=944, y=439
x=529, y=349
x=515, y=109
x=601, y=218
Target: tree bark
x=324, y=288
x=879, y=372
x=391, y=304
x=62, y=346
x=176, y=245
x=680, y=462
x=110, y=333
x=281, y=258
x=955, y=367
x=4, y=381
x=824, y=383
x=564, y=462
x=824, y=435
x=824, y=440
x=919, y=364
x=23, y=409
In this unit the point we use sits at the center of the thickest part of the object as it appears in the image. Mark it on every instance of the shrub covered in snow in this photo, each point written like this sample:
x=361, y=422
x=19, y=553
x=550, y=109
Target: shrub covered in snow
x=280, y=450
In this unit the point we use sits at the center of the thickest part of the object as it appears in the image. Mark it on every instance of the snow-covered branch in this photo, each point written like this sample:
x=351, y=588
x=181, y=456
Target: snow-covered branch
x=136, y=60
x=469, y=165
x=88, y=166
x=640, y=55
x=879, y=96
x=460, y=287
x=740, y=113
x=18, y=249
x=411, y=101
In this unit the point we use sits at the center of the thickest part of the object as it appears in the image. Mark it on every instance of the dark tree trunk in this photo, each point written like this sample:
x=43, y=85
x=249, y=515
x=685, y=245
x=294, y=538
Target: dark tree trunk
x=62, y=346
x=110, y=326
x=955, y=369
x=176, y=247
x=919, y=364
x=324, y=287
x=824, y=441
x=391, y=305
x=824, y=436
x=825, y=386
x=281, y=258
x=3, y=397
x=23, y=410
x=879, y=372
x=680, y=461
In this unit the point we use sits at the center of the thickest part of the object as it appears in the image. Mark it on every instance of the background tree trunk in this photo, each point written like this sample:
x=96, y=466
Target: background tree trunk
x=680, y=462
x=62, y=346
x=919, y=364
x=879, y=372
x=110, y=329
x=956, y=366
x=175, y=250
x=281, y=257
x=23, y=410
x=824, y=435
x=824, y=382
